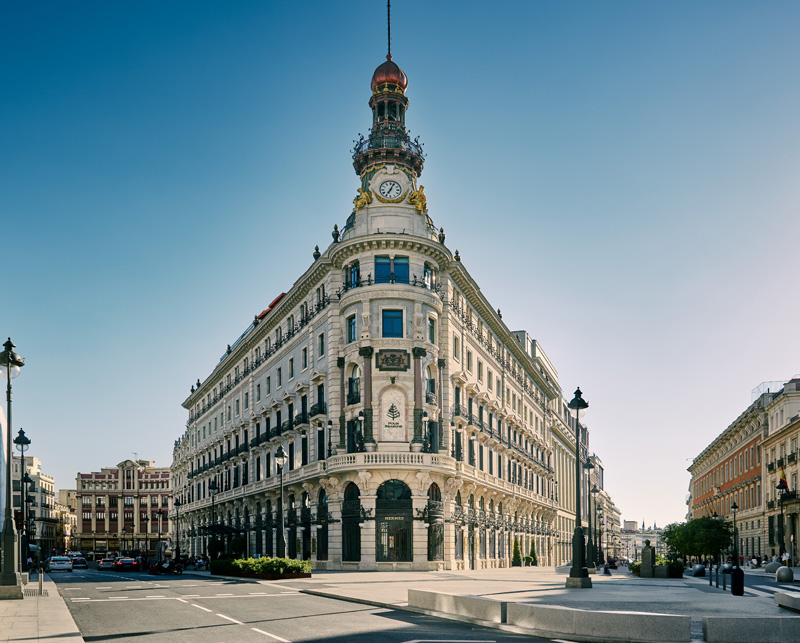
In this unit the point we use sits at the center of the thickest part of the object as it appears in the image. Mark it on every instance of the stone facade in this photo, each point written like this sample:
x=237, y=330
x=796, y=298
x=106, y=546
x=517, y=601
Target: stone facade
x=418, y=428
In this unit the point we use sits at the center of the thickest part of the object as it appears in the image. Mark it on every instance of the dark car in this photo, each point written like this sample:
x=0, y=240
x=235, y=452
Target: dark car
x=79, y=562
x=126, y=564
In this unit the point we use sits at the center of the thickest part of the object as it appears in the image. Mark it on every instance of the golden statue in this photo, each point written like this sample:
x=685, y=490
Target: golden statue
x=362, y=198
x=419, y=200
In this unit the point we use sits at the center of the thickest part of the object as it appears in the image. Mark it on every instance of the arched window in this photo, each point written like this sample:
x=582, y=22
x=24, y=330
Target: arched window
x=352, y=276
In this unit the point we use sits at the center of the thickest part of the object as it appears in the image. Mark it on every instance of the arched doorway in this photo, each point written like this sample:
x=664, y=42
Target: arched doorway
x=351, y=524
x=394, y=523
x=435, y=523
x=322, y=530
x=458, y=526
x=305, y=524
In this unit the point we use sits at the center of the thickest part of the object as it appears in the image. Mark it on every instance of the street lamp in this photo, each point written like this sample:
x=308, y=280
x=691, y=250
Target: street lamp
x=213, y=488
x=146, y=521
x=124, y=531
x=578, y=575
x=280, y=460
x=734, y=508
x=177, y=504
x=782, y=487
x=10, y=364
x=593, y=535
x=23, y=444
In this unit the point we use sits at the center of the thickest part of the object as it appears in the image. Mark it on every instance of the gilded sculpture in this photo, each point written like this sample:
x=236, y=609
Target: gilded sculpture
x=362, y=198
x=419, y=200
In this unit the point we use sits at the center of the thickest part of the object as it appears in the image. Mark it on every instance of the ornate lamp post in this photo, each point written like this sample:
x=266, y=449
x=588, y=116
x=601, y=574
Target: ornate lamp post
x=280, y=460
x=124, y=531
x=177, y=504
x=213, y=488
x=578, y=575
x=146, y=521
x=23, y=444
x=10, y=587
x=734, y=508
x=782, y=487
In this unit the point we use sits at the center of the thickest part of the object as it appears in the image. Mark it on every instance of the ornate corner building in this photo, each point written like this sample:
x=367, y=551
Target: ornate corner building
x=416, y=426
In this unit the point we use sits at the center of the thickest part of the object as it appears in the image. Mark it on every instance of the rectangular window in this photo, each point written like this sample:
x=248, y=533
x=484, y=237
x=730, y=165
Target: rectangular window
x=490, y=379
x=247, y=401
x=456, y=347
x=401, y=270
x=321, y=344
x=383, y=270
x=480, y=371
x=431, y=330
x=279, y=377
x=304, y=358
x=392, y=323
x=236, y=404
x=351, y=329
x=258, y=392
x=469, y=361
x=268, y=386
x=291, y=367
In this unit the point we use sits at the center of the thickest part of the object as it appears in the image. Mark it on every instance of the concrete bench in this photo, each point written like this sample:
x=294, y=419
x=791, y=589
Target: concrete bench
x=787, y=601
x=746, y=629
x=557, y=621
x=484, y=609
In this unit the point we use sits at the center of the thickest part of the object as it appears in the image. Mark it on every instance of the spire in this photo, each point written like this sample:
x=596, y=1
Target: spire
x=388, y=140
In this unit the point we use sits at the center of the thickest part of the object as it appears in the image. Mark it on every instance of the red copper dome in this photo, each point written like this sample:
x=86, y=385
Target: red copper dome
x=389, y=72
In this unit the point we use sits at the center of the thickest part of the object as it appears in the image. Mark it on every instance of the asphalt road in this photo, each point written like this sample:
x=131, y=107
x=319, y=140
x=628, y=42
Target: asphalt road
x=120, y=606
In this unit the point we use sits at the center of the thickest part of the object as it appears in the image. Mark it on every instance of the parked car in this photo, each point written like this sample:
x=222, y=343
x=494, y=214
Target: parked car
x=58, y=563
x=79, y=562
x=126, y=564
x=106, y=563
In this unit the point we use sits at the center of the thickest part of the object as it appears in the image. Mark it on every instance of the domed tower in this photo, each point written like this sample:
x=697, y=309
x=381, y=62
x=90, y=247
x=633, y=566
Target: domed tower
x=388, y=140
x=389, y=163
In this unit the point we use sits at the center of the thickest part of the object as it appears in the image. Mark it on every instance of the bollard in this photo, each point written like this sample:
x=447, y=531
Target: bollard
x=40, y=581
x=724, y=581
x=711, y=576
x=717, y=576
x=737, y=581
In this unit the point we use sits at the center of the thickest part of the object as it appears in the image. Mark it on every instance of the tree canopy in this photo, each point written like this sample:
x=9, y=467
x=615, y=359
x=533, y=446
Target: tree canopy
x=705, y=536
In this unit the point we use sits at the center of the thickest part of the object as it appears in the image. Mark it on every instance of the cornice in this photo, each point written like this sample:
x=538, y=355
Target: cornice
x=390, y=241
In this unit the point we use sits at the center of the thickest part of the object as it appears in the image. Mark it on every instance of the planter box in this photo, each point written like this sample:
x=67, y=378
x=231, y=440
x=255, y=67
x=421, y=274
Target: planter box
x=273, y=576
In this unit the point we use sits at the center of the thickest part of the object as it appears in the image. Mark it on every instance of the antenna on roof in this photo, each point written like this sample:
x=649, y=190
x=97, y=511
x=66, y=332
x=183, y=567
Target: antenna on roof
x=389, y=29
x=136, y=456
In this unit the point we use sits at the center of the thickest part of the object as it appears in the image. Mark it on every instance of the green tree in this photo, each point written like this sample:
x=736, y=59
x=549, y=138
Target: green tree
x=535, y=560
x=675, y=537
x=516, y=557
x=699, y=537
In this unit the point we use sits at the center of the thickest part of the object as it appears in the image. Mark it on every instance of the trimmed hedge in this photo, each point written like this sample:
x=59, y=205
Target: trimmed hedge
x=259, y=566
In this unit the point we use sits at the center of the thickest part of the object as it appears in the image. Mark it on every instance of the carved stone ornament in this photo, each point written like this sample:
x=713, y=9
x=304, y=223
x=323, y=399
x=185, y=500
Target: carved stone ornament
x=363, y=198
x=424, y=478
x=364, y=476
x=392, y=360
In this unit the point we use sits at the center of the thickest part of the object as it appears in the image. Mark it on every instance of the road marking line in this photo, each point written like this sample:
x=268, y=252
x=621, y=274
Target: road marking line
x=118, y=598
x=288, y=592
x=81, y=599
x=757, y=592
x=155, y=596
x=103, y=588
x=189, y=585
x=205, y=609
x=561, y=641
x=181, y=600
x=223, y=594
x=277, y=638
x=258, y=594
x=233, y=620
x=191, y=595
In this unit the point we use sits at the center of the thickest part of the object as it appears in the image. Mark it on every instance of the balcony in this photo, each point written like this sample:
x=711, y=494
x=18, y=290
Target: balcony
x=286, y=426
x=320, y=408
x=301, y=418
x=770, y=504
x=771, y=466
x=792, y=457
x=460, y=409
x=430, y=398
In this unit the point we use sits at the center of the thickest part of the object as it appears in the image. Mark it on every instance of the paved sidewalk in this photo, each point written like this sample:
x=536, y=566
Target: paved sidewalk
x=38, y=618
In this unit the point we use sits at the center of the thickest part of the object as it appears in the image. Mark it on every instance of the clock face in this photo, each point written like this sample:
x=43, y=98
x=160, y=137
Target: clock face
x=390, y=189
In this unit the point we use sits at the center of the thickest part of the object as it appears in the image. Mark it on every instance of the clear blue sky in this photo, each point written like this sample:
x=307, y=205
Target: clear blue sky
x=620, y=177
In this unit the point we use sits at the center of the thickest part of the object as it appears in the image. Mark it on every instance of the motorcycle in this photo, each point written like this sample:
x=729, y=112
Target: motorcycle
x=167, y=567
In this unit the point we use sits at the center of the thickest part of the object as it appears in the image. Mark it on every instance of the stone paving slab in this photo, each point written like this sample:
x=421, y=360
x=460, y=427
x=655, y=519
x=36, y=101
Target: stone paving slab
x=38, y=618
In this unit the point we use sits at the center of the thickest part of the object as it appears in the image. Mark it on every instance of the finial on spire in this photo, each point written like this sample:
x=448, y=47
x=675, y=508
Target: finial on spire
x=389, y=29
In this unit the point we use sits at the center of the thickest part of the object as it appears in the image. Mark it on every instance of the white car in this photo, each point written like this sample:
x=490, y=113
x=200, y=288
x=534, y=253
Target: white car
x=58, y=563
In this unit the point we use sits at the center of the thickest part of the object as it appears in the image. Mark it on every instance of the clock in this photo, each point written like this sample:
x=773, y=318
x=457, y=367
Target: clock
x=389, y=189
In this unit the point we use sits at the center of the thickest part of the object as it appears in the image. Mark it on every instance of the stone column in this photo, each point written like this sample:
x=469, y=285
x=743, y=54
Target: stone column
x=366, y=352
x=342, y=446
x=418, y=353
x=368, y=534
x=420, y=530
x=441, y=363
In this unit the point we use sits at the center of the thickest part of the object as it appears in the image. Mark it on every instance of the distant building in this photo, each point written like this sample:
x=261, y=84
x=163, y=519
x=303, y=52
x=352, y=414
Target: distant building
x=40, y=495
x=632, y=539
x=124, y=508
x=743, y=466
